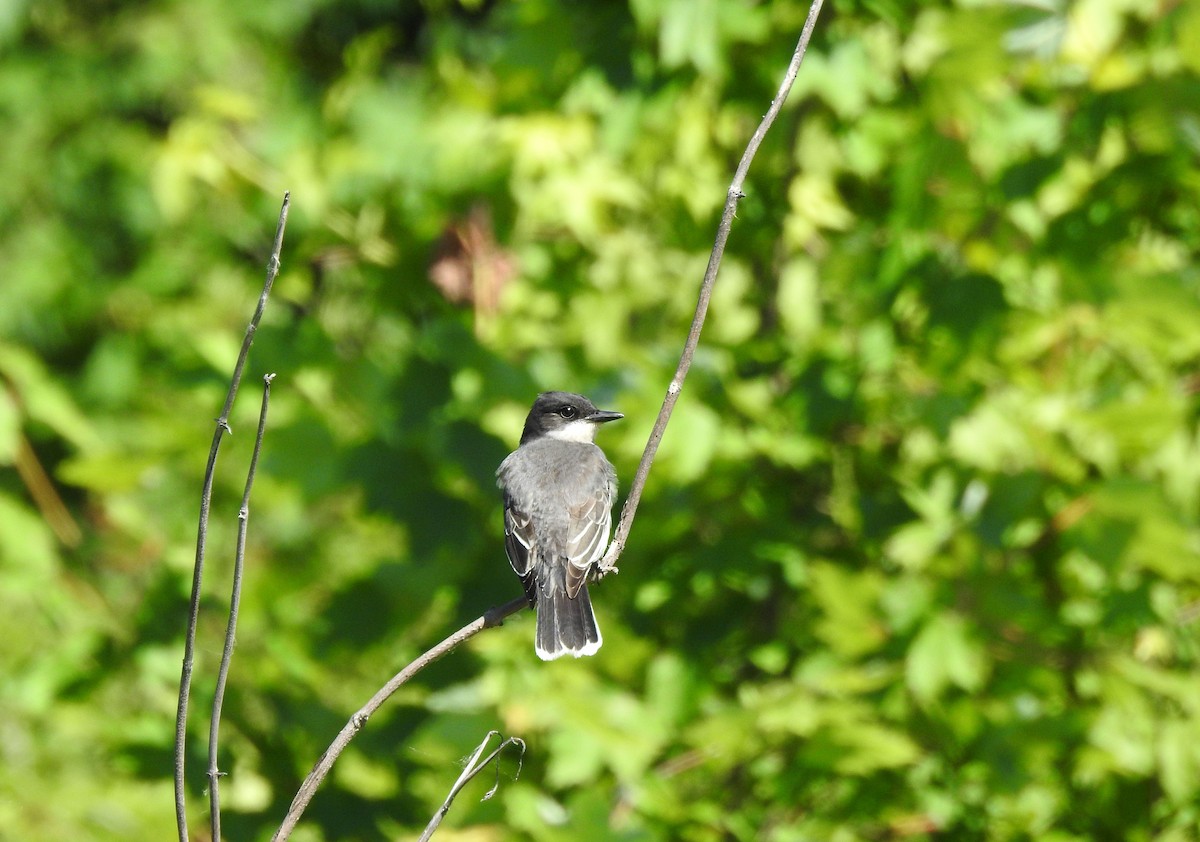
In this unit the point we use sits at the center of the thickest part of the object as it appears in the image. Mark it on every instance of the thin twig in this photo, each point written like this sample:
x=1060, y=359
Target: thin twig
x=493, y=617
x=222, y=427
x=609, y=563
x=474, y=767
x=235, y=598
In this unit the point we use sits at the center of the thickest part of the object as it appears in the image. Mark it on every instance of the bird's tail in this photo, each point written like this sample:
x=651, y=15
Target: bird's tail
x=566, y=625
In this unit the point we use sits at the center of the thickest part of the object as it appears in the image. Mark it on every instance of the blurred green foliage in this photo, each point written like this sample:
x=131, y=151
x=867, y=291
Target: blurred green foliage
x=920, y=556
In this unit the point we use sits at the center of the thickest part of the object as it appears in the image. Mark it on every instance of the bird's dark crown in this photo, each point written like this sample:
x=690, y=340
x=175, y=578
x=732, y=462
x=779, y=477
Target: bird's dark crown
x=554, y=411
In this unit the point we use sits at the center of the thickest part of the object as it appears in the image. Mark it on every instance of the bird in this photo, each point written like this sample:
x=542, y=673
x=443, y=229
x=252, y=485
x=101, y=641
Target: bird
x=558, y=491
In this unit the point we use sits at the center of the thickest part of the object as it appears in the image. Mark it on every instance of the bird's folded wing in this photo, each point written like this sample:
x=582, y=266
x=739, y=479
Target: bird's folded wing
x=587, y=535
x=518, y=538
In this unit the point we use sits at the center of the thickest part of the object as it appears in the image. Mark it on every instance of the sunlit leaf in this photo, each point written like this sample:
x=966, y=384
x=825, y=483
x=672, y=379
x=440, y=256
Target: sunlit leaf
x=945, y=654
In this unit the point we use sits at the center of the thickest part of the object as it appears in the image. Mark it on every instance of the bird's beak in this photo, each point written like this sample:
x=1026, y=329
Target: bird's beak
x=600, y=416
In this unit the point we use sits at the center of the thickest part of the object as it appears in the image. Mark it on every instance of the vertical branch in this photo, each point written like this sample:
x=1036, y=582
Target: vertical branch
x=214, y=776
x=608, y=563
x=222, y=427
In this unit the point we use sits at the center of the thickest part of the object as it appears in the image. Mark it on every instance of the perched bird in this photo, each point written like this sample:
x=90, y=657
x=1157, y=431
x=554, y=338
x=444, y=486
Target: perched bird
x=558, y=496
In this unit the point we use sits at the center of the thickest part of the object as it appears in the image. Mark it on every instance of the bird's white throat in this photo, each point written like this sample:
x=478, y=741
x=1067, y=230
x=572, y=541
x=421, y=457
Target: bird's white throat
x=578, y=430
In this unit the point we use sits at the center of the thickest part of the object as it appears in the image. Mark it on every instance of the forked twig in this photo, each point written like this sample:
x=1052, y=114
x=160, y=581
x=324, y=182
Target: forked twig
x=235, y=597
x=473, y=767
x=222, y=427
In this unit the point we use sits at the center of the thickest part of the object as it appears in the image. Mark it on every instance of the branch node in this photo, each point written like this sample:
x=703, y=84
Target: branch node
x=495, y=615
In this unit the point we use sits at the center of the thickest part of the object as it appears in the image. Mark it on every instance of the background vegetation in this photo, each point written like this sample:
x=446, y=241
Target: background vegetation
x=921, y=553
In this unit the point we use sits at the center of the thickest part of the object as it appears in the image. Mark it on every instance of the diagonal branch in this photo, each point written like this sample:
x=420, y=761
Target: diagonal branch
x=609, y=563
x=189, y=644
x=214, y=728
x=493, y=617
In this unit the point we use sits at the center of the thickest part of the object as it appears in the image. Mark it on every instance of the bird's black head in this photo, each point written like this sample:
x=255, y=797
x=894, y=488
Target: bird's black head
x=565, y=416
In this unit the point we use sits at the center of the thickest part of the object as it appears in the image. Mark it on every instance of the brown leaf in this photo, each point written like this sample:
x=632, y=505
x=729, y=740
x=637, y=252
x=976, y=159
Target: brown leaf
x=469, y=267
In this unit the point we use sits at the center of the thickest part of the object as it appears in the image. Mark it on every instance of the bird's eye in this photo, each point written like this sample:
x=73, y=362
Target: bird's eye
x=568, y=412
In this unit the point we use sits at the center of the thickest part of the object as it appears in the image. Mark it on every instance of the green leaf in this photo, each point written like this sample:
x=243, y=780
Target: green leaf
x=1179, y=759
x=799, y=301
x=849, y=624
x=870, y=748
x=10, y=428
x=945, y=654
x=43, y=398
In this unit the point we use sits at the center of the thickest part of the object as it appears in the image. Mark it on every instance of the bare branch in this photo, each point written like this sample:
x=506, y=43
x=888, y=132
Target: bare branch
x=493, y=617
x=473, y=767
x=222, y=426
x=609, y=563
x=235, y=598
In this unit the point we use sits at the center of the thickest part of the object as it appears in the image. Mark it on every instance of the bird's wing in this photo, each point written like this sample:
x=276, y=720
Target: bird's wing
x=518, y=543
x=587, y=535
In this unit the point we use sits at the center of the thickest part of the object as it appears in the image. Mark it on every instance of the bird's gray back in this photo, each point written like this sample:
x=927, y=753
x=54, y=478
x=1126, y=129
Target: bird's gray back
x=544, y=478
